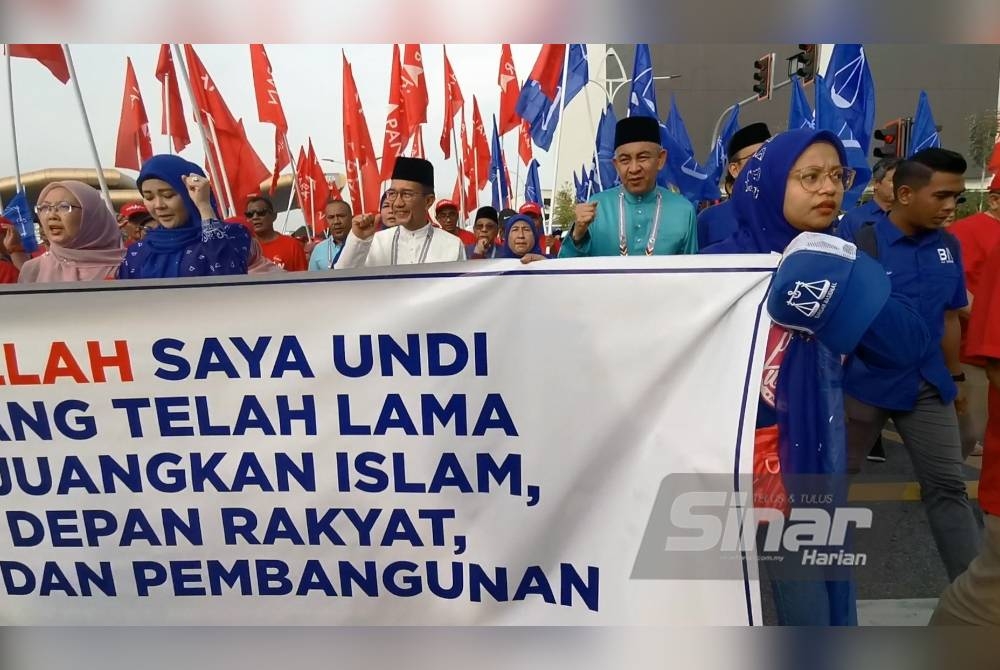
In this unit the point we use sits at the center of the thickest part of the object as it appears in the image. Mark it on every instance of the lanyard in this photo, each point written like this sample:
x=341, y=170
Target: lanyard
x=623, y=240
x=423, y=250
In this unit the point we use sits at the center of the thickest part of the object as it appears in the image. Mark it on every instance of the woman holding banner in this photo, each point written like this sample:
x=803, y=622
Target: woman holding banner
x=84, y=241
x=795, y=184
x=190, y=241
x=520, y=240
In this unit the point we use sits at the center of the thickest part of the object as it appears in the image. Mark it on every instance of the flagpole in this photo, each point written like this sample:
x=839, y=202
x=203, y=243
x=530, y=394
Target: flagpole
x=222, y=166
x=90, y=132
x=209, y=154
x=517, y=174
x=166, y=110
x=13, y=131
x=562, y=109
x=461, y=182
x=311, y=219
x=291, y=191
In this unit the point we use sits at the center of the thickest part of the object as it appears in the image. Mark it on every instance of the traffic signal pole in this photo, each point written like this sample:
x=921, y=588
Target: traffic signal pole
x=752, y=98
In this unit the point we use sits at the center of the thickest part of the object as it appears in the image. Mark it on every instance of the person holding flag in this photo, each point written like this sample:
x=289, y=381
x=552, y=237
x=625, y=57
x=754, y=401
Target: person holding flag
x=412, y=240
x=638, y=217
x=719, y=222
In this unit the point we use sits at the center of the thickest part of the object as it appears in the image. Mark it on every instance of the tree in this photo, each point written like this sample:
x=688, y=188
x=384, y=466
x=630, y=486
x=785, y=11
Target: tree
x=562, y=208
x=982, y=139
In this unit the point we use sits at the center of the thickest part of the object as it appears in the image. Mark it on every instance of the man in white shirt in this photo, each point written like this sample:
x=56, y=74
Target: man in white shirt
x=413, y=240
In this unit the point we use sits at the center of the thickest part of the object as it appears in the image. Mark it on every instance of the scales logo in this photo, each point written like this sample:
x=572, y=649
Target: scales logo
x=811, y=298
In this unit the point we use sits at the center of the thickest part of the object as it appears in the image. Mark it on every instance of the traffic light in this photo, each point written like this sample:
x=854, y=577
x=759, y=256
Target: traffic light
x=894, y=136
x=763, y=76
x=805, y=62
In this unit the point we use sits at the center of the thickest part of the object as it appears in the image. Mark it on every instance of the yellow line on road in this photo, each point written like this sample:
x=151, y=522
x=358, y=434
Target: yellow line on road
x=896, y=491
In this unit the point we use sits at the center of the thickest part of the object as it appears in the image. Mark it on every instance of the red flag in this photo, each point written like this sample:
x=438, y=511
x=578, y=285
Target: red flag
x=397, y=124
x=524, y=143
x=134, y=144
x=282, y=157
x=358, y=152
x=417, y=150
x=241, y=167
x=269, y=109
x=510, y=91
x=468, y=176
x=171, y=100
x=510, y=184
x=414, y=86
x=320, y=189
x=304, y=190
x=453, y=102
x=51, y=56
x=480, y=147
x=993, y=164
x=548, y=68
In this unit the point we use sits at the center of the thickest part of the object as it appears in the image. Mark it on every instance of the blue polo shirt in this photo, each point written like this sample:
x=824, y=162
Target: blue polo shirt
x=857, y=217
x=926, y=270
x=716, y=223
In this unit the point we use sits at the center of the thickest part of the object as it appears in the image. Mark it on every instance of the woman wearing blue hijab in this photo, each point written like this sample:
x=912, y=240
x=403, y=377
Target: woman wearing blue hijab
x=190, y=240
x=520, y=240
x=795, y=183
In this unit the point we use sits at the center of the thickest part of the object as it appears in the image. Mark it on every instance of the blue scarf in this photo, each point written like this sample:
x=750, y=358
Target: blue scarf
x=161, y=254
x=507, y=251
x=810, y=402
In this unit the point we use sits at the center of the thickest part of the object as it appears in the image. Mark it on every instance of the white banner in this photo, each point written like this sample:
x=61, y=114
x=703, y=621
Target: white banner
x=458, y=444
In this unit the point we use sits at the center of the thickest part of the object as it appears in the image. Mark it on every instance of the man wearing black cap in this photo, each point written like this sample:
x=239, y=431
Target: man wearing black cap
x=638, y=217
x=486, y=228
x=717, y=223
x=412, y=240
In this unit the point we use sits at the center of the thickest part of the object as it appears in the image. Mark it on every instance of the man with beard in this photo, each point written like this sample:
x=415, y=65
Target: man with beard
x=338, y=216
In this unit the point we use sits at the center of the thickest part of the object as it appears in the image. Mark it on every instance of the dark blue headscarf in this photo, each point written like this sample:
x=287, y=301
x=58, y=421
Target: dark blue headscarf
x=809, y=402
x=194, y=249
x=523, y=218
x=759, y=193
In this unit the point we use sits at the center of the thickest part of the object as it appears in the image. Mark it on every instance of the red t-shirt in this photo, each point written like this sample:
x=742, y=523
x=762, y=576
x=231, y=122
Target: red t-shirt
x=984, y=342
x=285, y=252
x=8, y=273
x=467, y=236
x=978, y=235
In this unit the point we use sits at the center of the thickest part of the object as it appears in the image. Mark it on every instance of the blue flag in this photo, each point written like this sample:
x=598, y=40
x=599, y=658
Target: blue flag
x=682, y=169
x=800, y=115
x=924, y=134
x=19, y=212
x=578, y=73
x=829, y=117
x=532, y=187
x=642, y=99
x=607, y=176
x=719, y=159
x=852, y=91
x=580, y=191
x=498, y=175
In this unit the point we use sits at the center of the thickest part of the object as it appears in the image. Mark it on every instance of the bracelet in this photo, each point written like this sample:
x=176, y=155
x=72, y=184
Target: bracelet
x=960, y=377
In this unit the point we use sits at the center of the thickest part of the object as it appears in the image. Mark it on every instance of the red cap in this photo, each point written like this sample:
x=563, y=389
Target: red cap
x=530, y=208
x=995, y=184
x=441, y=204
x=133, y=208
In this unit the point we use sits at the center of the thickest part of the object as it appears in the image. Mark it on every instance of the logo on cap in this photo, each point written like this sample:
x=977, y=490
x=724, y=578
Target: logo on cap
x=811, y=298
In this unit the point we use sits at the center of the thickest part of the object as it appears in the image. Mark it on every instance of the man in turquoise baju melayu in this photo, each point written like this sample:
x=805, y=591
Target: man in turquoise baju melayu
x=637, y=218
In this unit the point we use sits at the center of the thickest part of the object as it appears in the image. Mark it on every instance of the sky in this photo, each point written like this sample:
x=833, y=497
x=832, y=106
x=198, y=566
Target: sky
x=50, y=132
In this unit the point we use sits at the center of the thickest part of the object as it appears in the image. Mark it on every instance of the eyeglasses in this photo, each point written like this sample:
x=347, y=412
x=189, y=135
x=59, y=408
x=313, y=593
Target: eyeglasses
x=812, y=178
x=407, y=195
x=61, y=208
x=253, y=213
x=736, y=160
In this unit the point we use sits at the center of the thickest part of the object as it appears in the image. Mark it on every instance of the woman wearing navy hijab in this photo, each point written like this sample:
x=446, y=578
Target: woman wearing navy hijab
x=190, y=240
x=795, y=183
x=520, y=240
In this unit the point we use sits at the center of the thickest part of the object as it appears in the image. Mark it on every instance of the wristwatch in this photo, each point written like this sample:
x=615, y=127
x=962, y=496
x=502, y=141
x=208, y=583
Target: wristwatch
x=960, y=377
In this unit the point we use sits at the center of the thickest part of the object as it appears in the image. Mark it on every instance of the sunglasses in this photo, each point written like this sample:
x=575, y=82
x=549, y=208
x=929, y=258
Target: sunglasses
x=252, y=213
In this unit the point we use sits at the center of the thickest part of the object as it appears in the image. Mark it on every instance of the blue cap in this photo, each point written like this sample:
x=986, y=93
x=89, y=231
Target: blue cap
x=824, y=287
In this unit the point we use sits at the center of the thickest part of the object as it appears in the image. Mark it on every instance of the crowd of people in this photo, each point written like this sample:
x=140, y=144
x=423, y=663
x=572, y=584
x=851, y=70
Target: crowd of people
x=913, y=336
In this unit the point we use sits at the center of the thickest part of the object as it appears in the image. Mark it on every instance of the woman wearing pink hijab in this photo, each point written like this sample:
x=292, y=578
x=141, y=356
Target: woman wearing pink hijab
x=84, y=241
